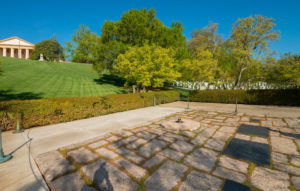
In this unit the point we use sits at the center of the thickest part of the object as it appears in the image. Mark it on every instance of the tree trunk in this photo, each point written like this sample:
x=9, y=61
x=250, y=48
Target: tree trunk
x=237, y=82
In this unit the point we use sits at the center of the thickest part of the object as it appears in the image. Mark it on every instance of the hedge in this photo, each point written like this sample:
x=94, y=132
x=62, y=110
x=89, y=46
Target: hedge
x=55, y=110
x=287, y=97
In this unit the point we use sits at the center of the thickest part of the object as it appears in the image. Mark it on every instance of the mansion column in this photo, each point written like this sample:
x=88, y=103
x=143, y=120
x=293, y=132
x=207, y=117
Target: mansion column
x=12, y=52
x=27, y=54
x=20, y=53
x=4, y=51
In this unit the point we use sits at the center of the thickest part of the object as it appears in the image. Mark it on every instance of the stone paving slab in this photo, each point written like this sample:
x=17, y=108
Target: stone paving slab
x=133, y=169
x=145, y=135
x=136, y=143
x=221, y=136
x=156, y=160
x=98, y=144
x=279, y=157
x=203, y=159
x=130, y=155
x=108, y=177
x=172, y=171
x=52, y=164
x=170, y=153
x=228, y=129
x=122, y=142
x=284, y=145
x=197, y=181
x=182, y=146
x=259, y=140
x=215, y=144
x=113, y=138
x=295, y=160
x=287, y=168
x=82, y=155
x=152, y=147
x=70, y=182
x=242, y=136
x=153, y=158
x=270, y=180
x=296, y=181
x=233, y=164
x=106, y=153
x=229, y=174
x=199, y=140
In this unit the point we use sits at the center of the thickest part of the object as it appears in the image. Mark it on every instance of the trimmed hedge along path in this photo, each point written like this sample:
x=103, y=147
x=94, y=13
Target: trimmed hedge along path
x=288, y=97
x=42, y=112
x=56, y=110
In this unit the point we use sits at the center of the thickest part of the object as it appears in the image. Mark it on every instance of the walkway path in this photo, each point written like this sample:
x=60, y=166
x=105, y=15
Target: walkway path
x=21, y=173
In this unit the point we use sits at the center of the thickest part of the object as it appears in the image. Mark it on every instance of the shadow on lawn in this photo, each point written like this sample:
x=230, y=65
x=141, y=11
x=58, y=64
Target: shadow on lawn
x=110, y=79
x=6, y=95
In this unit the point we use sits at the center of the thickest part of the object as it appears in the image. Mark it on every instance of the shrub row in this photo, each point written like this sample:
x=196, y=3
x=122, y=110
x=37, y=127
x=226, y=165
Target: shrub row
x=288, y=97
x=55, y=110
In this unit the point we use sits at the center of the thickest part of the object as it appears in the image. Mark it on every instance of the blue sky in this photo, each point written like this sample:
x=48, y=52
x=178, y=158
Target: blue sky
x=35, y=20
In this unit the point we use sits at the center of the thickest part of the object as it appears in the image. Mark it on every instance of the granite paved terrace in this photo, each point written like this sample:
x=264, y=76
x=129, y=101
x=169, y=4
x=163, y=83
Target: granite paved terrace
x=227, y=152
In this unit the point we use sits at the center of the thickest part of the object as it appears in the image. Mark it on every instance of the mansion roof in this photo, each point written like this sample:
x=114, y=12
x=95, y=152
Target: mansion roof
x=15, y=41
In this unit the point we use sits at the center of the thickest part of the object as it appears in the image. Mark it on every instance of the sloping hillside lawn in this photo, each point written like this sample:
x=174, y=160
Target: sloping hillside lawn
x=28, y=79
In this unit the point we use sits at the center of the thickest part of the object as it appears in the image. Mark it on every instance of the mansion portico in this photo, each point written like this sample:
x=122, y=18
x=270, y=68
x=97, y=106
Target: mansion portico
x=15, y=47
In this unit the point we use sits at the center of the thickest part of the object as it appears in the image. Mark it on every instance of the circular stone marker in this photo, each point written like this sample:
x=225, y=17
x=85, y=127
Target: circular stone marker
x=181, y=124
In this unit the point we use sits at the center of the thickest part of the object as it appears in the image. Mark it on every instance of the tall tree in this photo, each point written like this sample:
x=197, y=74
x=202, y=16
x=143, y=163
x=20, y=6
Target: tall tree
x=202, y=67
x=206, y=38
x=51, y=50
x=285, y=71
x=203, y=48
x=80, y=48
x=249, y=38
x=147, y=66
x=136, y=28
x=105, y=54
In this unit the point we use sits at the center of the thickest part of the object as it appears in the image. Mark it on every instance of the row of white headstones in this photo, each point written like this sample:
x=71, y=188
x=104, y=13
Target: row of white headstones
x=220, y=85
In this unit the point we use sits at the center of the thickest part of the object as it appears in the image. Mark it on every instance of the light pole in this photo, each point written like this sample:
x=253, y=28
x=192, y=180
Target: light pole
x=236, y=106
x=188, y=103
x=3, y=157
x=18, y=130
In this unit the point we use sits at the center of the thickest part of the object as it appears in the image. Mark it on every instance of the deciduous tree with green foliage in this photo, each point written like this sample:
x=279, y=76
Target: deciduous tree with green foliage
x=205, y=39
x=81, y=46
x=202, y=67
x=204, y=48
x=285, y=71
x=51, y=50
x=147, y=66
x=136, y=28
x=104, y=54
x=249, y=38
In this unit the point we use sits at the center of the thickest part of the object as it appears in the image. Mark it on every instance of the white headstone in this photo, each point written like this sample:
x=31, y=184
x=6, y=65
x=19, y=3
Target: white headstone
x=41, y=57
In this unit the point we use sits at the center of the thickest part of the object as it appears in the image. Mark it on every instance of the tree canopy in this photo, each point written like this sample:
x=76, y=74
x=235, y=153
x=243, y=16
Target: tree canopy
x=286, y=71
x=129, y=46
x=80, y=48
x=51, y=50
x=147, y=66
x=135, y=28
x=250, y=37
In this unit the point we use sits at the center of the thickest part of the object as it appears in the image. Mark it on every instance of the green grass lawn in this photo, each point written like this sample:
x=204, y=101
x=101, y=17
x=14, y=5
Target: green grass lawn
x=28, y=79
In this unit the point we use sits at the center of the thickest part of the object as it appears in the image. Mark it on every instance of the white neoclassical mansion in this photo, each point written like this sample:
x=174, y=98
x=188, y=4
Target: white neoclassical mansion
x=15, y=47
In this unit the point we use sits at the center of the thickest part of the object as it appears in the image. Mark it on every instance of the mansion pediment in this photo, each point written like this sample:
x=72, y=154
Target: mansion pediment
x=15, y=41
